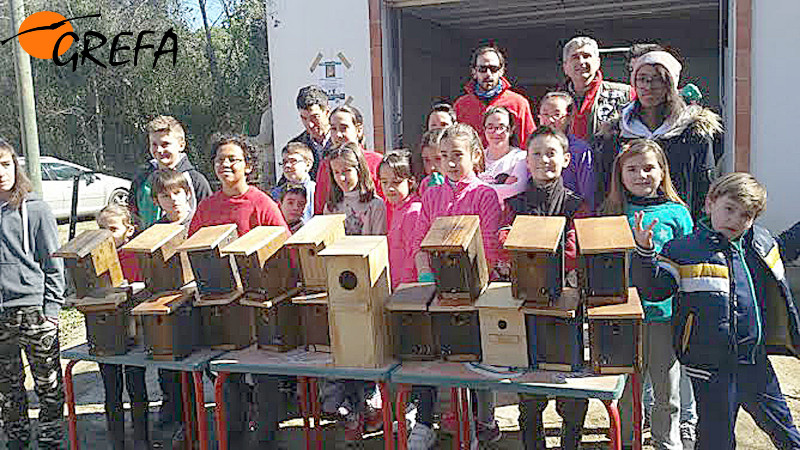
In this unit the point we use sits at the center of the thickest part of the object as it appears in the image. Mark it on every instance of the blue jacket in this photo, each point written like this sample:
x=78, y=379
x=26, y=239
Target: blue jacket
x=731, y=299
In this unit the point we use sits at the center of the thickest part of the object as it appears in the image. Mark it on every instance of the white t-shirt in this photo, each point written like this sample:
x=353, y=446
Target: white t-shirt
x=512, y=164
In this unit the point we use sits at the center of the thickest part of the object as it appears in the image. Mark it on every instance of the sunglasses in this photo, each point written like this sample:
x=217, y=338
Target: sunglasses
x=488, y=68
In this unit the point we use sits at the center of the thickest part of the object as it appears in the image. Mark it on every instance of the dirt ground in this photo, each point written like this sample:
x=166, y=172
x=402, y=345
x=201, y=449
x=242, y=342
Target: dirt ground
x=91, y=425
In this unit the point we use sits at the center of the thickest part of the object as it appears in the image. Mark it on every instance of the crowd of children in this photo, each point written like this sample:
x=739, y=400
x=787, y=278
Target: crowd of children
x=712, y=284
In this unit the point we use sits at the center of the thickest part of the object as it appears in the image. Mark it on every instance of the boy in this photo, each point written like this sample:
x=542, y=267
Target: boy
x=167, y=143
x=546, y=195
x=733, y=308
x=173, y=194
x=297, y=161
x=293, y=202
x=248, y=207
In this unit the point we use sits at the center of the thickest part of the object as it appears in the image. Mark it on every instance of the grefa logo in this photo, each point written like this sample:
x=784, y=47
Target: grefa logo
x=49, y=35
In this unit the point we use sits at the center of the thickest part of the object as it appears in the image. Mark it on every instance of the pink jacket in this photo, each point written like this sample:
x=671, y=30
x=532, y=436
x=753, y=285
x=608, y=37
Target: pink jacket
x=403, y=221
x=468, y=197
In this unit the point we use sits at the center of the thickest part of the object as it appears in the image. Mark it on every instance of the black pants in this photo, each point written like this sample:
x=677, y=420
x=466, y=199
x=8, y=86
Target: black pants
x=572, y=412
x=134, y=382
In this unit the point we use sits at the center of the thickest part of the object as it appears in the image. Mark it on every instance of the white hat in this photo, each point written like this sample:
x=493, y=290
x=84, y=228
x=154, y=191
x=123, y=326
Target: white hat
x=664, y=59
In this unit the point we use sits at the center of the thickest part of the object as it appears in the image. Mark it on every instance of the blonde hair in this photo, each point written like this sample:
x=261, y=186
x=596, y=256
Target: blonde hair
x=616, y=200
x=742, y=187
x=166, y=124
x=114, y=210
x=298, y=148
x=464, y=133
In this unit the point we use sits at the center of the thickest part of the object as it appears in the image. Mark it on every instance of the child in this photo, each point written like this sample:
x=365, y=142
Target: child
x=248, y=207
x=293, y=203
x=31, y=295
x=428, y=162
x=347, y=125
x=442, y=115
x=505, y=169
x=641, y=184
x=353, y=192
x=297, y=161
x=461, y=193
x=734, y=307
x=546, y=195
x=117, y=219
x=556, y=110
x=167, y=143
x=399, y=186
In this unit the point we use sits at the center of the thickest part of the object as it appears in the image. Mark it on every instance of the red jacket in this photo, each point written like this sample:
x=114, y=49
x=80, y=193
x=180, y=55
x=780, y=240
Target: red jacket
x=324, y=179
x=470, y=109
x=247, y=211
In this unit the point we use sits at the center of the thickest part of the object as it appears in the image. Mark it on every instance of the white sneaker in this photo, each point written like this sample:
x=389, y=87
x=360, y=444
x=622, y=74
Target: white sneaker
x=422, y=437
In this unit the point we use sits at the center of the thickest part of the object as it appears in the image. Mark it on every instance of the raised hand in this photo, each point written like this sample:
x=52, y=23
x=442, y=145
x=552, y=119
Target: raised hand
x=643, y=236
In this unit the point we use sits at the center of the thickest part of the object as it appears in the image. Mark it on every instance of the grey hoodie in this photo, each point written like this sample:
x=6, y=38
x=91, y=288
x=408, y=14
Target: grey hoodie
x=29, y=276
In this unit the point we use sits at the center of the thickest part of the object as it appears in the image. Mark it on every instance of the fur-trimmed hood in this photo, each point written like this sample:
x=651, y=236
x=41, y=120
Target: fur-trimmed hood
x=701, y=121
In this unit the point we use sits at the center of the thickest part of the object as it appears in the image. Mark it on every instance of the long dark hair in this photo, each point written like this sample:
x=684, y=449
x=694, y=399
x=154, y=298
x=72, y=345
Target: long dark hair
x=399, y=162
x=513, y=139
x=673, y=103
x=358, y=119
x=353, y=156
x=22, y=185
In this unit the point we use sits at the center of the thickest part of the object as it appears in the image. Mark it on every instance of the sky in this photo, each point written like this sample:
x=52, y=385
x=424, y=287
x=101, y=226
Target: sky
x=213, y=10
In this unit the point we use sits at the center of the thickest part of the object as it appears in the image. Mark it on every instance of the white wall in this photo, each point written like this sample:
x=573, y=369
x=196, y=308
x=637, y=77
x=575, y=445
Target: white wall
x=775, y=151
x=298, y=31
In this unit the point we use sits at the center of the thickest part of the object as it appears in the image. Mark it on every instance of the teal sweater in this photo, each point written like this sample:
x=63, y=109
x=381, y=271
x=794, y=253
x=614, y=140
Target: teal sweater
x=674, y=220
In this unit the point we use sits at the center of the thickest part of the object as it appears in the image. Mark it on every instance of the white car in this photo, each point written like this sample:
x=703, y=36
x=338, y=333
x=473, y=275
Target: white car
x=94, y=192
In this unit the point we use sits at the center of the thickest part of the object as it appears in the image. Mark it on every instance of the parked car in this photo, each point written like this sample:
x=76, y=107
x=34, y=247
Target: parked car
x=95, y=191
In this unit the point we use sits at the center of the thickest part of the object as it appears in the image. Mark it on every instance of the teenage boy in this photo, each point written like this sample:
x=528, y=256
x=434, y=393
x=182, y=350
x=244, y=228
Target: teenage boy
x=734, y=307
x=312, y=105
x=546, y=195
x=248, y=207
x=293, y=202
x=297, y=161
x=167, y=144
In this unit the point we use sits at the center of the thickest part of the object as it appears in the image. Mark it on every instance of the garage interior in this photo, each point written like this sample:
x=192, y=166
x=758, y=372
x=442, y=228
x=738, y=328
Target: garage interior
x=432, y=41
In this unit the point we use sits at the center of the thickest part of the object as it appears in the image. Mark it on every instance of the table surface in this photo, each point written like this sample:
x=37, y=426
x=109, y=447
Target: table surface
x=137, y=356
x=540, y=382
x=296, y=362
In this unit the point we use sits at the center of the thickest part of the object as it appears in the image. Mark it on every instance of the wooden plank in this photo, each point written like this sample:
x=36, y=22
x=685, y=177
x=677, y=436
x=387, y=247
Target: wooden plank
x=451, y=233
x=83, y=244
x=443, y=305
x=632, y=309
x=259, y=301
x=566, y=306
x=354, y=246
x=163, y=304
x=530, y=233
x=153, y=238
x=264, y=239
x=498, y=295
x=604, y=234
x=318, y=298
x=207, y=238
x=411, y=297
x=216, y=299
x=321, y=229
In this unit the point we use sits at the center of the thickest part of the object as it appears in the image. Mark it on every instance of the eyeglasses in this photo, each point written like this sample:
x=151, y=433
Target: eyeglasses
x=649, y=81
x=497, y=128
x=487, y=68
x=230, y=160
x=291, y=162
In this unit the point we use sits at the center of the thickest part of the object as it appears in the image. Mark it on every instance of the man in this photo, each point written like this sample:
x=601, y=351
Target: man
x=489, y=87
x=312, y=104
x=597, y=100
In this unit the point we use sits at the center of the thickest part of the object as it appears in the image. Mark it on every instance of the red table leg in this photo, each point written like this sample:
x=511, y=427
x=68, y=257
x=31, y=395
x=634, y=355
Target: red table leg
x=636, y=385
x=186, y=397
x=466, y=416
x=455, y=407
x=302, y=384
x=315, y=412
x=222, y=421
x=403, y=391
x=614, y=425
x=202, y=422
x=386, y=406
x=72, y=417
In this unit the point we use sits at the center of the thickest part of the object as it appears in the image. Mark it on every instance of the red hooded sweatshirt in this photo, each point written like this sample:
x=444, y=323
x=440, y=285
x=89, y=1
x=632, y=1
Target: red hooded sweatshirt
x=469, y=109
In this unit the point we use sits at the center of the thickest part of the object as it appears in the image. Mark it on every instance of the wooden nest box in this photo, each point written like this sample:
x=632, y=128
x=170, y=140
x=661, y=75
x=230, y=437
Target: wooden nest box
x=312, y=238
x=615, y=333
x=502, y=323
x=457, y=257
x=555, y=333
x=605, y=244
x=411, y=326
x=163, y=267
x=92, y=262
x=536, y=245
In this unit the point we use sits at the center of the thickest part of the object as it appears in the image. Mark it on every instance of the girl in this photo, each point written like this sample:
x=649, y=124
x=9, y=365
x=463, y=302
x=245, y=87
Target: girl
x=428, y=162
x=117, y=219
x=31, y=295
x=461, y=193
x=347, y=126
x=353, y=193
x=442, y=115
x=686, y=133
x=641, y=186
x=399, y=186
x=505, y=170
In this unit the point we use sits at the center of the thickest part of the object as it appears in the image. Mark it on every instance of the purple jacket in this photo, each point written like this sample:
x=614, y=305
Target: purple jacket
x=579, y=175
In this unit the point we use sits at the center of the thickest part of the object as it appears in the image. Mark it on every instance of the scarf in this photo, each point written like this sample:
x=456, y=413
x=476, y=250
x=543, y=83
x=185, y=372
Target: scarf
x=580, y=122
x=487, y=96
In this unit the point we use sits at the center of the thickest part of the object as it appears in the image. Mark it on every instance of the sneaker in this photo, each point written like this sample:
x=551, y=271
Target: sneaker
x=688, y=436
x=488, y=432
x=373, y=419
x=422, y=437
